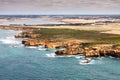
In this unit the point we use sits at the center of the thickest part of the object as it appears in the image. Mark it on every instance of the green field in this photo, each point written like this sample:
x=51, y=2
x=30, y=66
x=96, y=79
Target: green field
x=92, y=36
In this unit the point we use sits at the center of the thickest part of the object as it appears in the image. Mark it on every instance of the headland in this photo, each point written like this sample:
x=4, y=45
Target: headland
x=92, y=37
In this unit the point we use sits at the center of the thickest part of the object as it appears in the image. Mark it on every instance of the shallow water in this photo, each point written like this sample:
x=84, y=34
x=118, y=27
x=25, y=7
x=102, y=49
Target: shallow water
x=36, y=63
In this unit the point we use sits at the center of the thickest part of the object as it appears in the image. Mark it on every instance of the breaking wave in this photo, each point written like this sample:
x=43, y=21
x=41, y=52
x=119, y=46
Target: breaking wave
x=9, y=40
x=51, y=55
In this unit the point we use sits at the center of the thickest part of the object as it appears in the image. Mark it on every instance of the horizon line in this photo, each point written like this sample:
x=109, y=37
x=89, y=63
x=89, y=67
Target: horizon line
x=61, y=14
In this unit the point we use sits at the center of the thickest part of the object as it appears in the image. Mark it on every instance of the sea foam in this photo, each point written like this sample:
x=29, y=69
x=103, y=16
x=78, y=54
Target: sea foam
x=82, y=62
x=9, y=40
x=51, y=55
x=79, y=57
x=41, y=48
x=31, y=47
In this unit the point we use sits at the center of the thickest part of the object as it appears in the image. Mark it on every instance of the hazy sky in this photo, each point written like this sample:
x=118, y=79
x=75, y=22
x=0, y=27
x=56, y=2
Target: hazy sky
x=59, y=6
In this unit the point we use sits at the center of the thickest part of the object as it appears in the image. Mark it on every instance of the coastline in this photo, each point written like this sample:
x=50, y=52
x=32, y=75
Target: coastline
x=75, y=46
x=59, y=40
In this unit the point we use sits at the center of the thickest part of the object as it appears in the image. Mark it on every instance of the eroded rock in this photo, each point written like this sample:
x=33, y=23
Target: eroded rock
x=27, y=35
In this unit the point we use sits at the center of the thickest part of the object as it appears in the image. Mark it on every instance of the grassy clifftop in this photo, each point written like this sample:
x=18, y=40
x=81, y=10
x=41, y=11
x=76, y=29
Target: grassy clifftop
x=92, y=36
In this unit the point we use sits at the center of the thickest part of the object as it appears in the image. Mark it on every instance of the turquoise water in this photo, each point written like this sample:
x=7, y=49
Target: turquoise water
x=36, y=63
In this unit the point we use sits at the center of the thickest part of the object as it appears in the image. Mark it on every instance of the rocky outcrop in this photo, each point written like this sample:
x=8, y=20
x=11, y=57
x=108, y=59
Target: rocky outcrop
x=114, y=52
x=30, y=42
x=90, y=51
x=69, y=52
x=72, y=48
x=54, y=45
x=37, y=42
x=27, y=35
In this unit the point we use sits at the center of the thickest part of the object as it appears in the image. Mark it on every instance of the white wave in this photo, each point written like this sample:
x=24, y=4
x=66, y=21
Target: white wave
x=41, y=48
x=111, y=57
x=69, y=56
x=85, y=62
x=31, y=47
x=51, y=55
x=66, y=56
x=79, y=57
x=54, y=55
x=9, y=40
x=92, y=61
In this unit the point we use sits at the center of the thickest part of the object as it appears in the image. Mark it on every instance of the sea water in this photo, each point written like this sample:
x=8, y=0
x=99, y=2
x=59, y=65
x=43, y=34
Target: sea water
x=37, y=63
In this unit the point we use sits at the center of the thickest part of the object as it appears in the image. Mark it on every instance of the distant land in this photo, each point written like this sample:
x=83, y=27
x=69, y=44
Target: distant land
x=57, y=19
x=79, y=34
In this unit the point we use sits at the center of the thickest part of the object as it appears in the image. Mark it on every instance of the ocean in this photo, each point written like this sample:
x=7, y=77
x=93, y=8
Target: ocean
x=37, y=63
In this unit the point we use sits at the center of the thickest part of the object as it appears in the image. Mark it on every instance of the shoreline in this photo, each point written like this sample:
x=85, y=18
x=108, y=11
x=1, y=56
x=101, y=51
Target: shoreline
x=72, y=47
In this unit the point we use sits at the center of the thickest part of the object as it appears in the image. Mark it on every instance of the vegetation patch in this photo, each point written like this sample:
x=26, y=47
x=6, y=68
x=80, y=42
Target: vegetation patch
x=66, y=34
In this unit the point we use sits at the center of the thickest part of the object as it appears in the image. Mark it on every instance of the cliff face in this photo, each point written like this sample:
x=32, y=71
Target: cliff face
x=54, y=45
x=30, y=42
x=91, y=51
x=46, y=43
x=27, y=35
x=71, y=47
x=74, y=48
